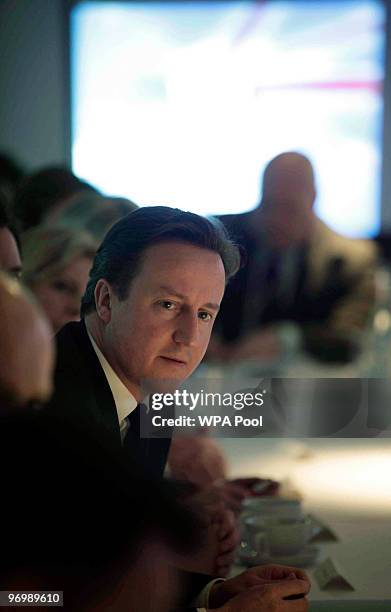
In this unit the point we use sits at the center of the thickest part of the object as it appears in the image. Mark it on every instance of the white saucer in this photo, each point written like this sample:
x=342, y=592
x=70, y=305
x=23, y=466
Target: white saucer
x=304, y=558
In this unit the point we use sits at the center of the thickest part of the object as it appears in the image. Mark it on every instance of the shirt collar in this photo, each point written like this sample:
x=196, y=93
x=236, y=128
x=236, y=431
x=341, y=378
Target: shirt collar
x=125, y=403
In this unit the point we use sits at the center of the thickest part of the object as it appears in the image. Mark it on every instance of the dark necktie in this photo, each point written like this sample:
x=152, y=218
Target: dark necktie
x=133, y=442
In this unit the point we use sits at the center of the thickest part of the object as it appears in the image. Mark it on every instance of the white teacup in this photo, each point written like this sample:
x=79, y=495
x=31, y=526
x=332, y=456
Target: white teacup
x=287, y=536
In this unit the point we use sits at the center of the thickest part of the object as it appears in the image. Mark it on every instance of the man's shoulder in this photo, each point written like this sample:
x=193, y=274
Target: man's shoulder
x=73, y=333
x=74, y=347
x=71, y=354
x=357, y=253
x=81, y=392
x=77, y=369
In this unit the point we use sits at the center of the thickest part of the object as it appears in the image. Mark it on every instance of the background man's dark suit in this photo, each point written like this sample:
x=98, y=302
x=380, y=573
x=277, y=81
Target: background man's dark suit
x=341, y=296
x=83, y=397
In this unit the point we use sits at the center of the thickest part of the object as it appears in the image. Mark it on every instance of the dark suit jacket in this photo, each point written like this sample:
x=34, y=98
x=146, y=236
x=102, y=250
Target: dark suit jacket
x=252, y=298
x=82, y=396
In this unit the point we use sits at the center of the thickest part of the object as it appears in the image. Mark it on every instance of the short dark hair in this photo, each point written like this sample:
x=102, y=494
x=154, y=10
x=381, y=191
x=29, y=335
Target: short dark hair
x=119, y=257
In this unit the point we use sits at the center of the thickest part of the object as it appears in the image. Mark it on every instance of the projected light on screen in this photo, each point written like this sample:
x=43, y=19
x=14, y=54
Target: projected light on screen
x=184, y=103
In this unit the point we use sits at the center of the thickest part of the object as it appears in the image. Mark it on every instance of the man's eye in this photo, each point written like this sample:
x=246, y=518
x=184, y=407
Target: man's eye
x=167, y=305
x=205, y=316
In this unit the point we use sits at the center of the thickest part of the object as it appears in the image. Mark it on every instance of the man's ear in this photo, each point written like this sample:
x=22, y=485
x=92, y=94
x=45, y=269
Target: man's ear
x=103, y=300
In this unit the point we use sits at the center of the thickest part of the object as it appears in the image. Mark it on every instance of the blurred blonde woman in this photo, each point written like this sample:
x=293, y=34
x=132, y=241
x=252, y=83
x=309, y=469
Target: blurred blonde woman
x=56, y=265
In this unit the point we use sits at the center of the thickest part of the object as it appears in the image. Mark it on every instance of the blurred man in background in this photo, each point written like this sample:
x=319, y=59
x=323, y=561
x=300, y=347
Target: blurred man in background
x=297, y=269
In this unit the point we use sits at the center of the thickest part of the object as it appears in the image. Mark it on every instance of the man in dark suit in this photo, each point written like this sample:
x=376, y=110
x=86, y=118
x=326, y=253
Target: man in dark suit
x=297, y=269
x=147, y=314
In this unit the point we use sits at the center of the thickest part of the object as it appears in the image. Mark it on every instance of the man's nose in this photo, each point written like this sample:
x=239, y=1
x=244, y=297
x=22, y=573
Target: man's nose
x=187, y=330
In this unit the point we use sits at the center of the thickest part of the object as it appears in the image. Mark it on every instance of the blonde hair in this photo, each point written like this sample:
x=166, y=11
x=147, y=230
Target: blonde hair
x=47, y=250
x=90, y=212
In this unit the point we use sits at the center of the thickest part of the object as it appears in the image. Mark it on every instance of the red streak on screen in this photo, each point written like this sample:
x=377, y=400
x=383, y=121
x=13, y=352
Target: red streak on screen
x=376, y=86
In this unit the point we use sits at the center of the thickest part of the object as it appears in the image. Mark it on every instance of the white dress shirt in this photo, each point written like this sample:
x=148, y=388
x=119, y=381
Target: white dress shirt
x=124, y=401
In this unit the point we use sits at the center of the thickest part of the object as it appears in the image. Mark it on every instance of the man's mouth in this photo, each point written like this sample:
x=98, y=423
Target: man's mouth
x=174, y=360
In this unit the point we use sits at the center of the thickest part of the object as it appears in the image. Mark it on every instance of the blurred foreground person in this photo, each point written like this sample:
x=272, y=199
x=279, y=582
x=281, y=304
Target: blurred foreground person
x=297, y=269
x=90, y=212
x=26, y=348
x=56, y=264
x=10, y=260
x=68, y=539
x=39, y=192
x=97, y=527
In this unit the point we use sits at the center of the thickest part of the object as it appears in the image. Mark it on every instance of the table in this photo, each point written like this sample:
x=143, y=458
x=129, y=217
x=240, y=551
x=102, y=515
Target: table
x=347, y=484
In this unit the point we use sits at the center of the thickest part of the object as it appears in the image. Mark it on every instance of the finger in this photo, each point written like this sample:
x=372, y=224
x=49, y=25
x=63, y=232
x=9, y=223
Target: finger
x=268, y=596
x=286, y=588
x=279, y=572
x=301, y=575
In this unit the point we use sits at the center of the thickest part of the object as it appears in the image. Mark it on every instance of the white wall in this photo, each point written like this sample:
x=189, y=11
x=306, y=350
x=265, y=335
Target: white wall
x=33, y=95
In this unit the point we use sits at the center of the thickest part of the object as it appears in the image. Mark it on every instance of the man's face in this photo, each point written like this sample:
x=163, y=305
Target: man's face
x=9, y=253
x=162, y=329
x=290, y=221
